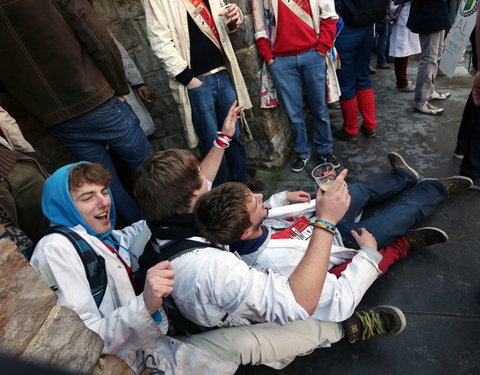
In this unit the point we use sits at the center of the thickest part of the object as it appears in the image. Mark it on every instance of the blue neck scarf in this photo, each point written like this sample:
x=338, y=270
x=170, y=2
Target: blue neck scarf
x=58, y=206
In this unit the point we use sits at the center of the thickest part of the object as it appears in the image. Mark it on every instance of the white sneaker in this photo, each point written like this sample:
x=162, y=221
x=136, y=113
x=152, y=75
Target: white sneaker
x=429, y=109
x=439, y=95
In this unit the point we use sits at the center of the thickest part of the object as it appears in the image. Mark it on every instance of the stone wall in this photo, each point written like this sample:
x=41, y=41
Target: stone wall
x=34, y=328
x=126, y=19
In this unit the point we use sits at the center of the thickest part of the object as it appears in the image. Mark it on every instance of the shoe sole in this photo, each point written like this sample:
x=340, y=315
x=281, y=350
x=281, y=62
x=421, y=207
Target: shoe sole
x=401, y=315
x=296, y=170
x=442, y=98
x=474, y=187
x=442, y=232
x=428, y=113
x=457, y=156
x=408, y=168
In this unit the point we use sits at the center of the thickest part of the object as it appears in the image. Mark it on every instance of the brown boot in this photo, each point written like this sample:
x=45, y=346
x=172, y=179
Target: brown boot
x=425, y=237
x=453, y=184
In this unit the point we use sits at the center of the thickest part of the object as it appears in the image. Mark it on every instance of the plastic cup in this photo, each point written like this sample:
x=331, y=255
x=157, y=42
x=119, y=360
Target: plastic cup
x=231, y=24
x=324, y=174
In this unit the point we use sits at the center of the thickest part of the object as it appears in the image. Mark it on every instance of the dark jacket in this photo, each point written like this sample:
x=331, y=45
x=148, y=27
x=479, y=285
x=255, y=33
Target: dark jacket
x=57, y=58
x=428, y=16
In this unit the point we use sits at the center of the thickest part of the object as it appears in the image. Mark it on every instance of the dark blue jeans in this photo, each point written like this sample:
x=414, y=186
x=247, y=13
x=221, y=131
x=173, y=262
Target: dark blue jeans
x=354, y=45
x=383, y=40
x=113, y=124
x=396, y=219
x=307, y=71
x=210, y=104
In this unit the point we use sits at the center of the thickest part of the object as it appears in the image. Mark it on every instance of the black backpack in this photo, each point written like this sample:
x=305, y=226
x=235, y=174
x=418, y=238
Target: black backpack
x=153, y=254
x=93, y=263
x=358, y=13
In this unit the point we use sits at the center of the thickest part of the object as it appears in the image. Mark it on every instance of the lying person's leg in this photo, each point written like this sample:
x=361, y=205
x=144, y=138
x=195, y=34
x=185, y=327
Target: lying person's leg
x=397, y=219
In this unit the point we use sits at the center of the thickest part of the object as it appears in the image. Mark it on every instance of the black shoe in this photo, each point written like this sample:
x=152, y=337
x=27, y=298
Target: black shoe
x=299, y=164
x=330, y=158
x=369, y=133
x=425, y=237
x=377, y=321
x=344, y=136
x=254, y=184
x=397, y=161
x=334, y=105
x=454, y=184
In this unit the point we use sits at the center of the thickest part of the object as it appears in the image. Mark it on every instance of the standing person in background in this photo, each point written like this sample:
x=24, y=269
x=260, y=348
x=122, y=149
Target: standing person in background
x=191, y=39
x=71, y=77
x=403, y=43
x=354, y=45
x=293, y=38
x=429, y=19
x=470, y=127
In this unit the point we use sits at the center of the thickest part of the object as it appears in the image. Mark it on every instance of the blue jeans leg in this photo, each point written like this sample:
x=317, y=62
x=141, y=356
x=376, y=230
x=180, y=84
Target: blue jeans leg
x=367, y=195
x=314, y=78
x=210, y=104
x=382, y=44
x=354, y=45
x=287, y=78
x=397, y=219
x=112, y=124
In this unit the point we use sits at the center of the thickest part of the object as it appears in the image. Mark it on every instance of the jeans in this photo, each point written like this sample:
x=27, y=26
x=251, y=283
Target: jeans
x=290, y=74
x=383, y=40
x=113, y=124
x=432, y=49
x=354, y=45
x=398, y=218
x=210, y=103
x=470, y=128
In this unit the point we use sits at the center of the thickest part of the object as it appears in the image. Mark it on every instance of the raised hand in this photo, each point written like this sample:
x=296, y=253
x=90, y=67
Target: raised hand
x=229, y=124
x=332, y=205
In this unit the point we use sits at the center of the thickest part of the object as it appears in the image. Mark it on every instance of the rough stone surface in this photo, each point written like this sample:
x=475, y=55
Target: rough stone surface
x=111, y=365
x=25, y=301
x=64, y=341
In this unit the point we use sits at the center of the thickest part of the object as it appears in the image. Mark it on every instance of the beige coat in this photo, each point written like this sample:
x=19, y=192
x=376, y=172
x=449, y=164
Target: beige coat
x=167, y=30
x=13, y=134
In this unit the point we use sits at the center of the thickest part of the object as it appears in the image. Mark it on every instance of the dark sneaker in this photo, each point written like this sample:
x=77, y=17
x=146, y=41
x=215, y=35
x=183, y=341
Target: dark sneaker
x=254, y=184
x=454, y=184
x=369, y=133
x=383, y=66
x=344, y=136
x=425, y=237
x=329, y=158
x=397, y=161
x=334, y=105
x=377, y=321
x=299, y=164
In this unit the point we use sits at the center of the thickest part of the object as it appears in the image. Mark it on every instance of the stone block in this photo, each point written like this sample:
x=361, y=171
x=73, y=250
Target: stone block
x=172, y=141
x=169, y=103
x=158, y=82
x=25, y=303
x=64, y=341
x=126, y=32
x=243, y=36
x=172, y=122
x=245, y=6
x=146, y=61
x=249, y=61
x=128, y=8
x=105, y=10
x=111, y=365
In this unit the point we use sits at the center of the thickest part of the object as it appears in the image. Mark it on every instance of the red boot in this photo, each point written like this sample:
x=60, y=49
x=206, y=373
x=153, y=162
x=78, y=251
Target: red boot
x=366, y=104
x=349, y=112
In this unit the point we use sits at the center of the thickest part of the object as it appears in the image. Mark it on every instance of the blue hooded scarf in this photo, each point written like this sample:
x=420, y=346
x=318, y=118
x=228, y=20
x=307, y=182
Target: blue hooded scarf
x=58, y=206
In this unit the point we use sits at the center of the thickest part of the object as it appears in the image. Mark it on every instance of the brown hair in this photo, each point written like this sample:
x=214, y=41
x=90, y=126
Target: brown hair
x=165, y=183
x=221, y=215
x=88, y=173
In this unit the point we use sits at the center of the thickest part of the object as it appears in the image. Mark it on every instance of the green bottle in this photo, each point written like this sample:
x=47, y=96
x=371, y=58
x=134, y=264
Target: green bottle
x=468, y=4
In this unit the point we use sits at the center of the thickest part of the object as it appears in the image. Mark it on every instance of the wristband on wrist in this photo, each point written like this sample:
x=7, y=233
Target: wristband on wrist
x=222, y=140
x=325, y=225
x=157, y=317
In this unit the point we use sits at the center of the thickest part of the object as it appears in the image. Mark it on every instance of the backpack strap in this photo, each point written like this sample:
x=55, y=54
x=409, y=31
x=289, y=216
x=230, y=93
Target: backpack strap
x=153, y=253
x=93, y=263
